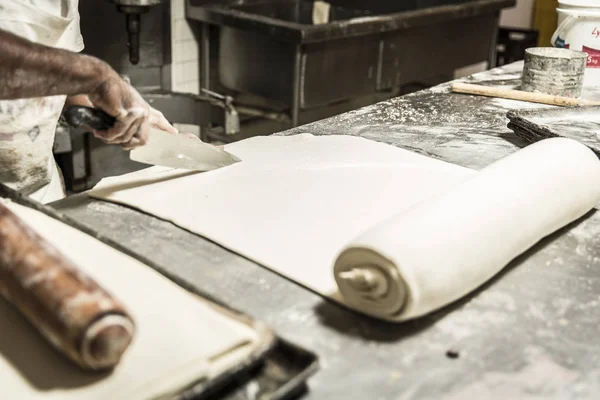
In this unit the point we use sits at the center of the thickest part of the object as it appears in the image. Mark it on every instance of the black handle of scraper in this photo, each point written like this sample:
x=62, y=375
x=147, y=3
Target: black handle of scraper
x=81, y=116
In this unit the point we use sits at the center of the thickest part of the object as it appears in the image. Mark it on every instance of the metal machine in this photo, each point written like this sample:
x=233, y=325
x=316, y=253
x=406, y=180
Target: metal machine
x=133, y=9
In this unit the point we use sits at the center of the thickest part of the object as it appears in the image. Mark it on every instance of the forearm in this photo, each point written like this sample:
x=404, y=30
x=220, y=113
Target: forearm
x=31, y=70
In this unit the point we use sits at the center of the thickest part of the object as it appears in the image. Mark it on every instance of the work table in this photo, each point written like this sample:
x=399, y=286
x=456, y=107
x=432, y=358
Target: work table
x=531, y=331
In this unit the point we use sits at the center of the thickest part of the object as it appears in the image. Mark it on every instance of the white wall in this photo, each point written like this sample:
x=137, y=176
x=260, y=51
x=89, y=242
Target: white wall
x=185, y=52
x=520, y=16
x=185, y=57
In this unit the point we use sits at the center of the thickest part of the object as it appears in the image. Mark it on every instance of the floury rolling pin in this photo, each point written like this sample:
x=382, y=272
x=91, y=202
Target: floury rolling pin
x=68, y=308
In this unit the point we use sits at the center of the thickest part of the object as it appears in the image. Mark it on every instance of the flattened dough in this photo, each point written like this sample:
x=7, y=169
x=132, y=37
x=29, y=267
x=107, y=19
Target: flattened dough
x=180, y=338
x=293, y=203
x=414, y=233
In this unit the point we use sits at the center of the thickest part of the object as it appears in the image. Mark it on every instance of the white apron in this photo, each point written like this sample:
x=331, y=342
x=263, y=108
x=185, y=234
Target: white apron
x=27, y=126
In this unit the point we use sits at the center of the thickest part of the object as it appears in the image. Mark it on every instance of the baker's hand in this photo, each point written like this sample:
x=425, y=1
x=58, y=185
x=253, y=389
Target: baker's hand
x=157, y=119
x=134, y=116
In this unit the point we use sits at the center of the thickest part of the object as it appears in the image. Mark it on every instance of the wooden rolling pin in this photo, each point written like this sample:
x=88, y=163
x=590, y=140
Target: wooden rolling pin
x=68, y=308
x=481, y=90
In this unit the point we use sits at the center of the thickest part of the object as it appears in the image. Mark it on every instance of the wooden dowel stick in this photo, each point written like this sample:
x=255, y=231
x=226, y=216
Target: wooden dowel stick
x=520, y=95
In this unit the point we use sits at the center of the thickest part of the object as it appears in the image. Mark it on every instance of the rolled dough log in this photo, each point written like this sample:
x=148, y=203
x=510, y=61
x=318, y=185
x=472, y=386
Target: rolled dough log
x=294, y=203
x=431, y=254
x=181, y=339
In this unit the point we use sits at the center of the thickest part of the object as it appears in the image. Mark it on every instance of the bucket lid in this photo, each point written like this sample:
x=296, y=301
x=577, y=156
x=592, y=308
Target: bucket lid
x=580, y=3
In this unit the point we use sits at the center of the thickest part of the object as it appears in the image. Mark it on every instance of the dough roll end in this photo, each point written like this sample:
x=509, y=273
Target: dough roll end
x=370, y=283
x=71, y=311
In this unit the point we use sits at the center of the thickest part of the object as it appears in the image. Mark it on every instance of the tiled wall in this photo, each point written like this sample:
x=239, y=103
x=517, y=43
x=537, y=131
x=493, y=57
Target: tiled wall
x=185, y=74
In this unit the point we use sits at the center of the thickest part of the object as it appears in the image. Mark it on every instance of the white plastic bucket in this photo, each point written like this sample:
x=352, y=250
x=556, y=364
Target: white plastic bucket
x=578, y=5
x=579, y=29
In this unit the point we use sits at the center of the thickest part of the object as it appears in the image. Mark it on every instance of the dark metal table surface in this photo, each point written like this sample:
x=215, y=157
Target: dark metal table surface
x=531, y=333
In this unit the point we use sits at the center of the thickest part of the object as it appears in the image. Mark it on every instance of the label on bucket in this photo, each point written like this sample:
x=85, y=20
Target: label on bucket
x=560, y=43
x=593, y=60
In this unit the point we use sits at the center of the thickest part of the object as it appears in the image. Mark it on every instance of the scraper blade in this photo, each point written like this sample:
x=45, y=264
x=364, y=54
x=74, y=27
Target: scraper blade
x=164, y=149
x=181, y=151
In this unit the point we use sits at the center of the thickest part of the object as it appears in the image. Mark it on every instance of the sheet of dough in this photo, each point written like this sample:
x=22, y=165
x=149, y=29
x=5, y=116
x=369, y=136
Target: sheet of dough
x=419, y=233
x=293, y=203
x=180, y=337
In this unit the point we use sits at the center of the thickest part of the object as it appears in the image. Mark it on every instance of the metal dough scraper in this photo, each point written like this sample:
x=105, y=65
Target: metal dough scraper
x=164, y=149
x=181, y=151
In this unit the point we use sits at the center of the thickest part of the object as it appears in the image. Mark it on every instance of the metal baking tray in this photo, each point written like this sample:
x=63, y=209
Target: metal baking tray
x=276, y=370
